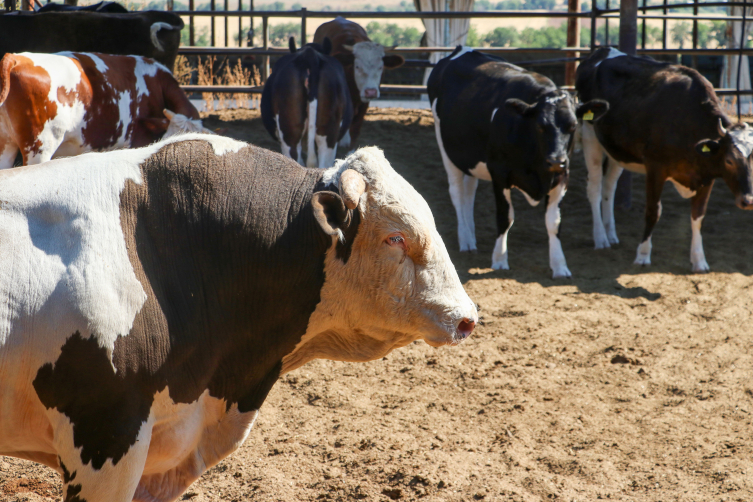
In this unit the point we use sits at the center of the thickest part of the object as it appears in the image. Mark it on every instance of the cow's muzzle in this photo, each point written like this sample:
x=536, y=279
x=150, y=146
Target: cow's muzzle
x=465, y=328
x=371, y=93
x=744, y=201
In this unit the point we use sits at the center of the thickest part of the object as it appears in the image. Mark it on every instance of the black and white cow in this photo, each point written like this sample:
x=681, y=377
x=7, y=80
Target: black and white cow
x=307, y=94
x=153, y=296
x=498, y=122
x=666, y=122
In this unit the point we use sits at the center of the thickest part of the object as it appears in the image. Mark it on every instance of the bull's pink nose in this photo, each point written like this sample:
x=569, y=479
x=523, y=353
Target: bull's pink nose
x=370, y=93
x=465, y=328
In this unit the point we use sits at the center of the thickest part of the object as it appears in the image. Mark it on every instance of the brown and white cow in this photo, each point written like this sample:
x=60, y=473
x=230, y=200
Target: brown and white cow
x=152, y=297
x=363, y=61
x=666, y=122
x=55, y=105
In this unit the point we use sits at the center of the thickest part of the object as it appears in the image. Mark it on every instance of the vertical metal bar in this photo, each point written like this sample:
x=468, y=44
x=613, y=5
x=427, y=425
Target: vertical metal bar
x=240, y=24
x=573, y=39
x=606, y=26
x=740, y=57
x=303, y=26
x=170, y=5
x=191, y=39
x=695, y=24
x=643, y=28
x=212, y=6
x=226, y=20
x=664, y=26
x=594, y=8
x=265, y=46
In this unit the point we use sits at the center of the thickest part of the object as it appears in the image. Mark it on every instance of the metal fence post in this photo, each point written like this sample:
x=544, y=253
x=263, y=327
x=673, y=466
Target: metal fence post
x=226, y=19
x=191, y=39
x=664, y=27
x=606, y=26
x=573, y=39
x=265, y=46
x=594, y=9
x=212, y=7
x=303, y=26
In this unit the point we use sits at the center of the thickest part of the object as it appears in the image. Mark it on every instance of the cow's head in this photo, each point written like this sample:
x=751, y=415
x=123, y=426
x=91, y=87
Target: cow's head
x=389, y=279
x=552, y=121
x=733, y=153
x=368, y=60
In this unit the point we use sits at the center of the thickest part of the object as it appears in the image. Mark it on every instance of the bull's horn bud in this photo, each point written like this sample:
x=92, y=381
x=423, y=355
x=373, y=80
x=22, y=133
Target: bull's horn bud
x=720, y=128
x=352, y=186
x=347, y=47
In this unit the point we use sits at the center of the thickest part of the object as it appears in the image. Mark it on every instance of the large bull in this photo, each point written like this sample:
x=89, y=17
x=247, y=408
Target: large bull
x=666, y=122
x=153, y=296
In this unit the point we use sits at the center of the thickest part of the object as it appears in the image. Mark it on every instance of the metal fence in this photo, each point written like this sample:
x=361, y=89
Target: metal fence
x=561, y=55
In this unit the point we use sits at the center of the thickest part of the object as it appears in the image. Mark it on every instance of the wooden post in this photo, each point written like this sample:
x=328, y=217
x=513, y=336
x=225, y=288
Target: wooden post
x=628, y=43
x=573, y=39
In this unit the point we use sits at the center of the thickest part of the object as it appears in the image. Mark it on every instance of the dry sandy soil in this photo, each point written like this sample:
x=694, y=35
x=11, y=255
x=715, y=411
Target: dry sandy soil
x=622, y=383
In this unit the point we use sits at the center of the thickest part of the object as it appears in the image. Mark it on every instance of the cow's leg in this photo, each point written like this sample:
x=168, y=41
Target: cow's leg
x=345, y=142
x=110, y=482
x=359, y=113
x=654, y=187
x=614, y=170
x=311, y=159
x=594, y=156
x=8, y=152
x=326, y=153
x=697, y=211
x=470, y=184
x=505, y=219
x=556, y=256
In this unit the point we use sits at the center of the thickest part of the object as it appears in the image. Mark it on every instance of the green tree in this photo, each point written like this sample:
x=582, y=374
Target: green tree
x=389, y=34
x=547, y=36
x=502, y=37
x=473, y=39
x=280, y=33
x=680, y=32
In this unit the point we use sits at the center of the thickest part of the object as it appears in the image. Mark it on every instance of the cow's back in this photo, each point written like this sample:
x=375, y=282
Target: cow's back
x=341, y=32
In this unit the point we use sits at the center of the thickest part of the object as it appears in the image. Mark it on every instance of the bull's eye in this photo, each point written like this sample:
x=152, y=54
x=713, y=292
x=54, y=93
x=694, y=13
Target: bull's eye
x=396, y=240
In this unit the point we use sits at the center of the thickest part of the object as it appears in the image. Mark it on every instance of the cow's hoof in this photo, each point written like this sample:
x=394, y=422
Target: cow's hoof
x=562, y=273
x=500, y=265
x=468, y=249
x=613, y=239
x=642, y=260
x=701, y=267
x=601, y=243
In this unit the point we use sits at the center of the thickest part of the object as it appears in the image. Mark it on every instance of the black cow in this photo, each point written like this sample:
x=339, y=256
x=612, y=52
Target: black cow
x=111, y=7
x=498, y=122
x=307, y=94
x=666, y=122
x=152, y=33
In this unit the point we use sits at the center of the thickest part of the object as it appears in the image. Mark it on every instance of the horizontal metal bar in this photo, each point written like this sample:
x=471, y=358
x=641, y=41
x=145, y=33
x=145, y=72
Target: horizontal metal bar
x=381, y=15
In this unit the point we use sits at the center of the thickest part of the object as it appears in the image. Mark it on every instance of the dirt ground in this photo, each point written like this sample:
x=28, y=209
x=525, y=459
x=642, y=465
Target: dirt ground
x=622, y=383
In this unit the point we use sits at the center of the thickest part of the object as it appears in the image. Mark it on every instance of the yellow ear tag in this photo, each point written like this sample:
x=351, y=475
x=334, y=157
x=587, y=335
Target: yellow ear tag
x=705, y=149
x=589, y=115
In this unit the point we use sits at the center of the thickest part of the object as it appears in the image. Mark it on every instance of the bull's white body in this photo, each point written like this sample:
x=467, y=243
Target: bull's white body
x=57, y=222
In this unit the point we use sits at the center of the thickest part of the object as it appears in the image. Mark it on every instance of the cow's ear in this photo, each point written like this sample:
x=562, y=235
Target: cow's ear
x=346, y=59
x=156, y=125
x=291, y=44
x=327, y=46
x=518, y=106
x=393, y=60
x=330, y=212
x=592, y=110
x=707, y=147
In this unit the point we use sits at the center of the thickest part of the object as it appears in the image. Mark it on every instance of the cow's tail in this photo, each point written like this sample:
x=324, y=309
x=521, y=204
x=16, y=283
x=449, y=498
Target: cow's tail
x=312, y=65
x=155, y=29
x=6, y=65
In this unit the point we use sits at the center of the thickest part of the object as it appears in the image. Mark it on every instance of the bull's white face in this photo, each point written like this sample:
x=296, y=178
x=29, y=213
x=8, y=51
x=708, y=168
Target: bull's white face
x=398, y=284
x=368, y=65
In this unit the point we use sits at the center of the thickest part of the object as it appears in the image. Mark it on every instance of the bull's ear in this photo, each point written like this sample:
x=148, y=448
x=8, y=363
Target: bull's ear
x=393, y=60
x=155, y=125
x=592, y=110
x=327, y=46
x=346, y=59
x=518, y=106
x=330, y=212
x=291, y=44
x=707, y=147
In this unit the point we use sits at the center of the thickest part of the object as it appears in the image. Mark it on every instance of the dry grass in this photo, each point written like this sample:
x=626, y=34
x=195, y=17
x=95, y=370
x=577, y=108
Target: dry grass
x=228, y=75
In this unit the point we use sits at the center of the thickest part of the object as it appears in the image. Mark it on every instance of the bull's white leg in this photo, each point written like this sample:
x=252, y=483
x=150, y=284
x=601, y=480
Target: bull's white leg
x=499, y=255
x=115, y=483
x=556, y=256
x=311, y=160
x=643, y=255
x=594, y=156
x=614, y=170
x=455, y=179
x=697, y=256
x=325, y=153
x=284, y=147
x=8, y=155
x=300, y=152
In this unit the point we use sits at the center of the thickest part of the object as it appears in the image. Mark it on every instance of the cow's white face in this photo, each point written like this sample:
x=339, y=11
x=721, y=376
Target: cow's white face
x=397, y=284
x=368, y=65
x=181, y=124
